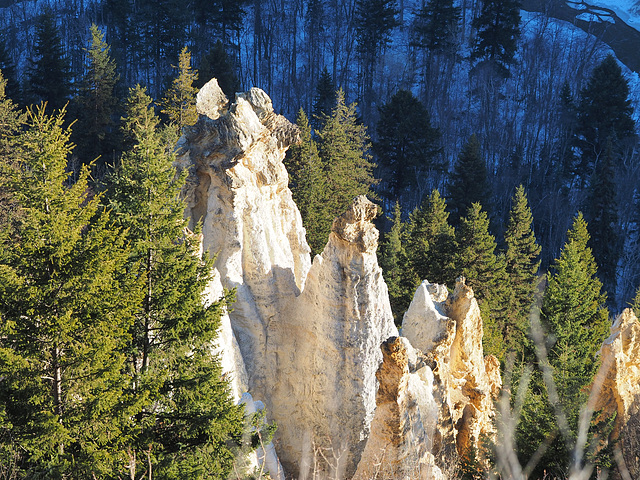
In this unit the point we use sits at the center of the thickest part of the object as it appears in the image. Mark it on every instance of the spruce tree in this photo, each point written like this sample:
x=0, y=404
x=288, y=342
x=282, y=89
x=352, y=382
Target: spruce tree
x=179, y=102
x=397, y=270
x=431, y=241
x=8, y=69
x=50, y=71
x=407, y=147
x=485, y=272
x=604, y=114
x=498, y=28
x=635, y=305
x=436, y=25
x=522, y=264
x=182, y=420
x=308, y=186
x=217, y=64
x=97, y=103
x=468, y=182
x=324, y=100
x=344, y=149
x=66, y=303
x=602, y=213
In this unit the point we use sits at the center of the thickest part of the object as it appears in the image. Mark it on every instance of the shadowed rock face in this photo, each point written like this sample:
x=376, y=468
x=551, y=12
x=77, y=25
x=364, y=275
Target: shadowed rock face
x=618, y=379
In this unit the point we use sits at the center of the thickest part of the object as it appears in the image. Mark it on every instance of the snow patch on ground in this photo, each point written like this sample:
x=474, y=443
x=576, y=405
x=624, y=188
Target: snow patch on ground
x=627, y=10
x=594, y=17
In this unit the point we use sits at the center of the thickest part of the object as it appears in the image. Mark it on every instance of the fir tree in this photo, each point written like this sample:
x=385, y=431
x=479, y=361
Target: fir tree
x=602, y=214
x=604, y=114
x=66, y=305
x=400, y=278
x=407, y=146
x=50, y=71
x=468, y=182
x=324, y=100
x=217, y=64
x=309, y=186
x=485, y=272
x=498, y=28
x=636, y=303
x=522, y=264
x=344, y=149
x=436, y=25
x=179, y=102
x=97, y=102
x=431, y=242
x=181, y=408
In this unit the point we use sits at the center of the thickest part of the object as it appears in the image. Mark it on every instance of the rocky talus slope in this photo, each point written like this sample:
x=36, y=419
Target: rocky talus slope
x=315, y=342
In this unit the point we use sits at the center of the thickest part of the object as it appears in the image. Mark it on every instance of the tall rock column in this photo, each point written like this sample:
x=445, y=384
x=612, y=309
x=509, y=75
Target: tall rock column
x=325, y=398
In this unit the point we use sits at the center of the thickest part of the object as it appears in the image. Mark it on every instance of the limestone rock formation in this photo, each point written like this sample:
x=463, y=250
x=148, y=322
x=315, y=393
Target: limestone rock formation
x=619, y=393
x=325, y=401
x=448, y=331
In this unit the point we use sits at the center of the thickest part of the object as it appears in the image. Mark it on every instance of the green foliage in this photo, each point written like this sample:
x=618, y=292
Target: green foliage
x=325, y=98
x=398, y=273
x=431, y=243
x=50, y=73
x=635, y=305
x=309, y=186
x=522, y=264
x=217, y=64
x=66, y=305
x=468, y=182
x=95, y=135
x=436, y=25
x=8, y=69
x=407, y=146
x=181, y=416
x=498, y=28
x=476, y=260
x=179, y=101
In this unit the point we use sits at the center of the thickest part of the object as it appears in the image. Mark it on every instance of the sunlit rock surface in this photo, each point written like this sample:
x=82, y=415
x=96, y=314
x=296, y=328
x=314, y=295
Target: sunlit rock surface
x=619, y=390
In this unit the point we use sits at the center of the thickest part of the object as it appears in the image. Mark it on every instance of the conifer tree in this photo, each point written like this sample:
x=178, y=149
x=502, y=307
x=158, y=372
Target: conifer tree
x=431, y=243
x=324, y=100
x=498, y=28
x=602, y=210
x=309, y=186
x=522, y=264
x=468, y=182
x=397, y=270
x=437, y=24
x=181, y=408
x=8, y=69
x=344, y=149
x=635, y=305
x=485, y=272
x=179, y=102
x=604, y=114
x=217, y=64
x=66, y=303
x=407, y=146
x=97, y=103
x=50, y=71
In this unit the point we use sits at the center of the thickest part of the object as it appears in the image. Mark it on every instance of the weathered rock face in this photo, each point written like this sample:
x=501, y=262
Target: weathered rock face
x=238, y=188
x=326, y=396
x=620, y=376
x=448, y=331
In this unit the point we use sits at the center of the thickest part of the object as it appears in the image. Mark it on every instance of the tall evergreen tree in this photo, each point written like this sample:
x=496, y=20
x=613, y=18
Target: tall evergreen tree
x=50, y=71
x=344, y=149
x=468, y=182
x=8, y=69
x=324, y=100
x=431, y=241
x=179, y=101
x=397, y=270
x=602, y=213
x=95, y=133
x=217, y=64
x=66, y=305
x=498, y=28
x=485, y=272
x=182, y=420
x=309, y=186
x=522, y=264
x=407, y=146
x=436, y=25
x=604, y=114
